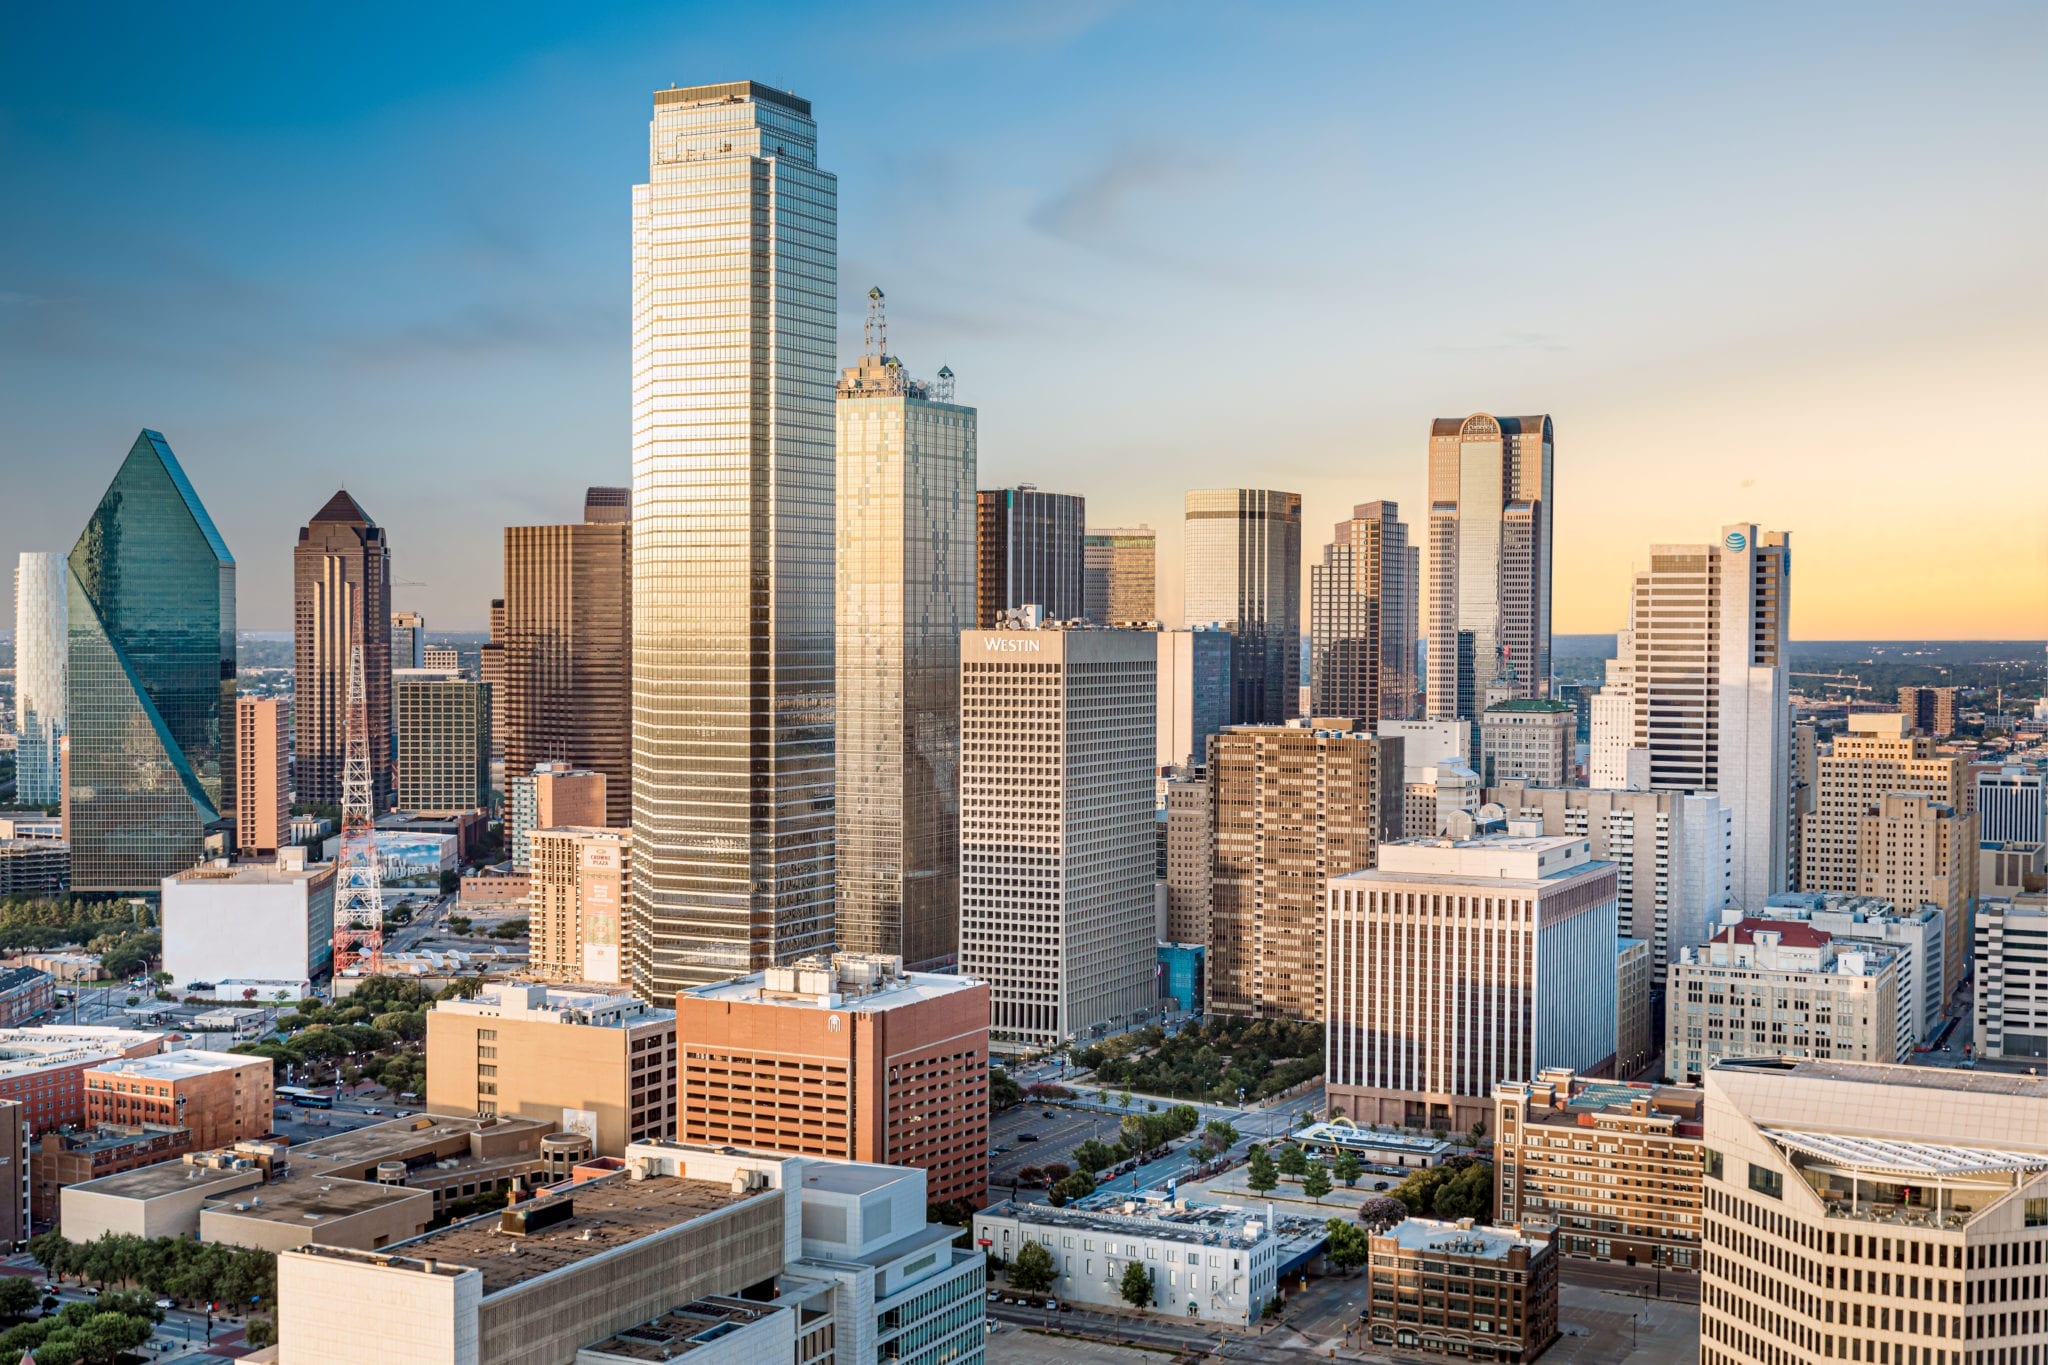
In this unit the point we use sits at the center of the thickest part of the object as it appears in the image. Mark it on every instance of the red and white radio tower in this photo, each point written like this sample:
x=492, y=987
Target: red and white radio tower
x=358, y=888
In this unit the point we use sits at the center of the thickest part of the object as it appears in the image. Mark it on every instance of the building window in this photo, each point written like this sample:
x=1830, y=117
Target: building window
x=1766, y=1181
x=1712, y=1160
x=2037, y=1213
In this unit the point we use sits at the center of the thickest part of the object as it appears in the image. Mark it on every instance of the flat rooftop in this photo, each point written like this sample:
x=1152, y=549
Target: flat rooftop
x=1211, y=1226
x=250, y=874
x=308, y=1201
x=909, y=989
x=1880, y=1073
x=1475, y=1243
x=853, y=1178
x=25, y=1050
x=683, y=1329
x=611, y=1212
x=167, y=1178
x=176, y=1066
x=389, y=1140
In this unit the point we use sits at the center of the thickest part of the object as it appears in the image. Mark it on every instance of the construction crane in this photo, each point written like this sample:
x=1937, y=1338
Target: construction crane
x=358, y=885
x=1846, y=681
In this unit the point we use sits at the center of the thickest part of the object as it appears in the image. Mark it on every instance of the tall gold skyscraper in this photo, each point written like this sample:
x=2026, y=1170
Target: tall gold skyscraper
x=735, y=283
x=263, y=822
x=905, y=592
x=1120, y=571
x=1241, y=569
x=341, y=555
x=1362, y=612
x=567, y=691
x=1489, y=560
x=1295, y=805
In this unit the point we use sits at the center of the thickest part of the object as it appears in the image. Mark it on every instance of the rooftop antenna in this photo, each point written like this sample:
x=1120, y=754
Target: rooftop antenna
x=943, y=390
x=875, y=336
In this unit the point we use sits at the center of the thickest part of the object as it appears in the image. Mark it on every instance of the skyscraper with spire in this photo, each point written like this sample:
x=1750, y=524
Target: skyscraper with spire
x=1489, y=570
x=735, y=278
x=151, y=678
x=341, y=554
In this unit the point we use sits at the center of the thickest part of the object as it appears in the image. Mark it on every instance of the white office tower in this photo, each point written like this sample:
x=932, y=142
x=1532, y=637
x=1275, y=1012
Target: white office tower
x=1706, y=683
x=1489, y=561
x=735, y=283
x=1057, y=835
x=1613, y=762
x=2010, y=805
x=1856, y=1211
x=41, y=611
x=1671, y=852
x=1194, y=695
x=1436, y=772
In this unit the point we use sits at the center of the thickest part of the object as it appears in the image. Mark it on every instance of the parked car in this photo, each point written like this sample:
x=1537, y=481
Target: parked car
x=1027, y=1137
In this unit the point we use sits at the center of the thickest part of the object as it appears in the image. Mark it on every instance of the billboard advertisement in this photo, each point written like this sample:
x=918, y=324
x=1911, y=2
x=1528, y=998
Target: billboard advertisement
x=408, y=858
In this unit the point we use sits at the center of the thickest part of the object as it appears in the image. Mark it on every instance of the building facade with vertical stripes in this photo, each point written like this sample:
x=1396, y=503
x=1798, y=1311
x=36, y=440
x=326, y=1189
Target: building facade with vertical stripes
x=1460, y=963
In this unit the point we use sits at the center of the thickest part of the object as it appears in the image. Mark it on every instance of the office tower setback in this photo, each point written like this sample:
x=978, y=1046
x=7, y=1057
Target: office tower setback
x=1460, y=963
x=341, y=580
x=1915, y=933
x=576, y=903
x=735, y=282
x=150, y=678
x=591, y=1062
x=904, y=592
x=1863, y=1212
x=40, y=647
x=263, y=794
x=1865, y=836
x=1028, y=553
x=1241, y=569
x=1194, y=693
x=1362, y=617
x=1548, y=1185
x=847, y=1056
x=1670, y=852
x=1930, y=710
x=1531, y=739
x=1057, y=728
x=553, y=794
x=1703, y=692
x=1296, y=805
x=2011, y=805
x=1121, y=569
x=568, y=646
x=444, y=741
x=442, y=659
x=408, y=640
x=1781, y=988
x=1490, y=513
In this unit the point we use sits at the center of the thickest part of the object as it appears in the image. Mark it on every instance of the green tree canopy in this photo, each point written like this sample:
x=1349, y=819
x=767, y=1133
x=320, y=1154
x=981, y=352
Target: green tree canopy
x=1031, y=1269
x=1136, y=1285
x=1316, y=1182
x=1350, y=1246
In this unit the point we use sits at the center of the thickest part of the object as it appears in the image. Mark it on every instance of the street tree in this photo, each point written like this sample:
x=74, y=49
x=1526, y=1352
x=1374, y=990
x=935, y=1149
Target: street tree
x=1136, y=1285
x=1315, y=1182
x=1031, y=1270
x=1350, y=1246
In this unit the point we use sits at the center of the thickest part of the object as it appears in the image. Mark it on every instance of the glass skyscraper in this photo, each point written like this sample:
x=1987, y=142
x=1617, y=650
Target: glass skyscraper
x=39, y=657
x=906, y=573
x=342, y=562
x=1029, y=553
x=1362, y=613
x=1489, y=549
x=152, y=678
x=735, y=265
x=1241, y=559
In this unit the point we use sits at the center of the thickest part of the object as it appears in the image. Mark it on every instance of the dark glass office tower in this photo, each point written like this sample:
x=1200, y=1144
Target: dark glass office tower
x=151, y=648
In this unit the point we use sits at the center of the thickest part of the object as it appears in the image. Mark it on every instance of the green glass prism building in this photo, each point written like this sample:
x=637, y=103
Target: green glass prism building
x=151, y=695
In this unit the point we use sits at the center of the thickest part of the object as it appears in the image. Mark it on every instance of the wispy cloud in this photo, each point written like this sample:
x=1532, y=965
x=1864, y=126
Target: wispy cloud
x=1106, y=209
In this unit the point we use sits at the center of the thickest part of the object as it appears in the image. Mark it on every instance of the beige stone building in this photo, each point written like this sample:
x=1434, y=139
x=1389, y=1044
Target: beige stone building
x=1609, y=1171
x=551, y=795
x=1529, y=739
x=1296, y=805
x=601, y=1065
x=1868, y=1212
x=576, y=895
x=1876, y=758
x=1781, y=988
x=1635, y=1024
x=1190, y=854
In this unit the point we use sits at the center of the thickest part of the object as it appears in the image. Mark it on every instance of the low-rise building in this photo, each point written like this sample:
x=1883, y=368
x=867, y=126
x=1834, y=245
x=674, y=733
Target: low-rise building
x=494, y=890
x=44, y=1068
x=1635, y=1020
x=1780, y=988
x=25, y=993
x=1456, y=1289
x=593, y=1270
x=223, y=1097
x=1214, y=1265
x=65, y=967
x=848, y=1057
x=1375, y=1149
x=1609, y=1171
x=34, y=867
x=2010, y=939
x=591, y=1062
x=72, y=1156
x=270, y=920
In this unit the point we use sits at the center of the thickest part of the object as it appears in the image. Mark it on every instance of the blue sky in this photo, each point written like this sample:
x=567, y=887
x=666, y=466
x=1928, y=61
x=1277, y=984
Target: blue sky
x=1779, y=263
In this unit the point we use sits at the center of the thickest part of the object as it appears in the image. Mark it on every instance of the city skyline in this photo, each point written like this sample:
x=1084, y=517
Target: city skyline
x=505, y=340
